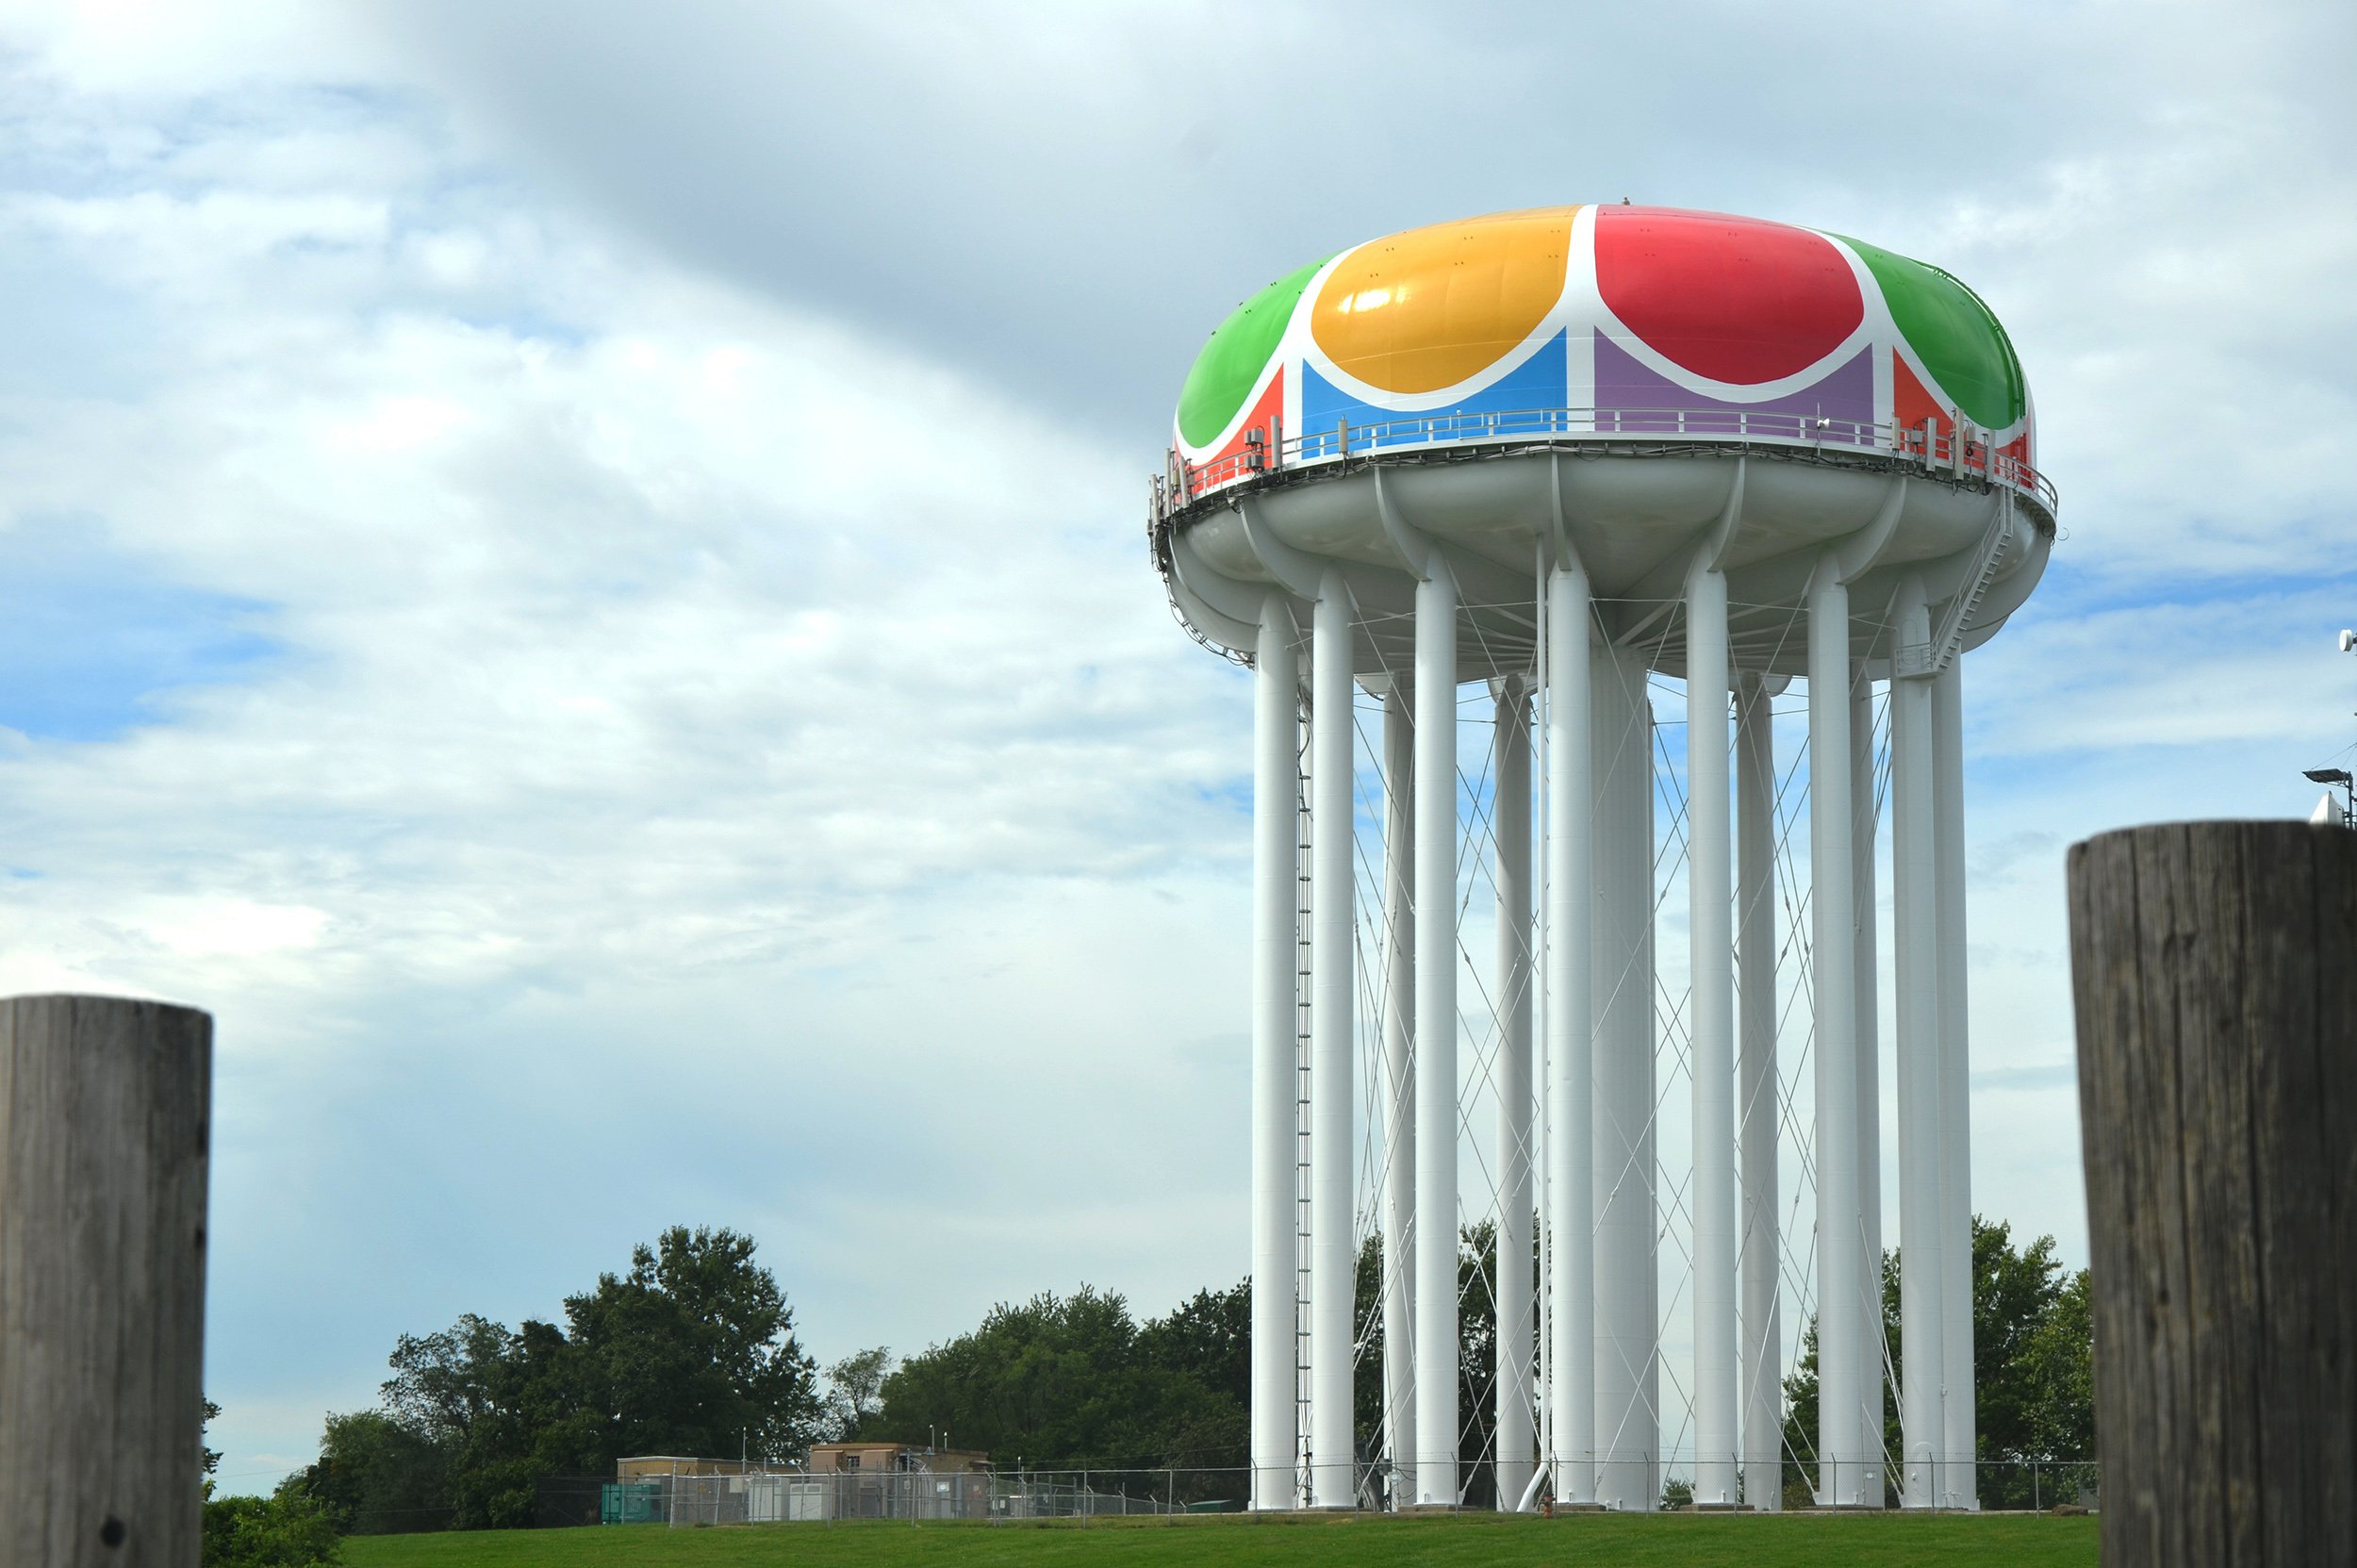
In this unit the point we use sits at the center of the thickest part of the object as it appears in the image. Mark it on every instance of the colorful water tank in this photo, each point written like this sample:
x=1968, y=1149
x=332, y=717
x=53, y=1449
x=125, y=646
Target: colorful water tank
x=1582, y=453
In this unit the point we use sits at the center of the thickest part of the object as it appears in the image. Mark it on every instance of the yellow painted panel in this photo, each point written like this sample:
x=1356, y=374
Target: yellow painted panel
x=1427, y=308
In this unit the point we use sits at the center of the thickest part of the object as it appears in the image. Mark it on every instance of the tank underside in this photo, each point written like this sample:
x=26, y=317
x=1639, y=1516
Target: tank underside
x=1633, y=515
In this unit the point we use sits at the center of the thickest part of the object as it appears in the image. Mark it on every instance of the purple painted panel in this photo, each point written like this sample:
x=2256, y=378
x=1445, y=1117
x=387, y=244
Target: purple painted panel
x=1632, y=399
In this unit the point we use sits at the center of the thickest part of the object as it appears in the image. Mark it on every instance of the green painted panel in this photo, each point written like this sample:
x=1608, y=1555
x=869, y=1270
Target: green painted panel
x=1230, y=363
x=1958, y=339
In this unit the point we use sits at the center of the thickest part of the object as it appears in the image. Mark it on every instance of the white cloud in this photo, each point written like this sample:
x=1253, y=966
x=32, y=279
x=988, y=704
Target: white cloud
x=161, y=49
x=676, y=646
x=725, y=756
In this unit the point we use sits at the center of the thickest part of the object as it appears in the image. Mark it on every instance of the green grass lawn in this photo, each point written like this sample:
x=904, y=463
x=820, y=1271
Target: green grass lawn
x=1477, y=1541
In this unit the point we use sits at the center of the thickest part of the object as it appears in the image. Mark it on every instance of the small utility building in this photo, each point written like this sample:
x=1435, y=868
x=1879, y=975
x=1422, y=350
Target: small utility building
x=871, y=1459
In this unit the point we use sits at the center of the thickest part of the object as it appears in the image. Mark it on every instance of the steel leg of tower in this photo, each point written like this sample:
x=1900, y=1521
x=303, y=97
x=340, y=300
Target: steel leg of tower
x=1959, y=1478
x=1516, y=1437
x=1863, y=813
x=1276, y=856
x=1332, y=1043
x=1571, y=863
x=1840, y=1445
x=1399, y=1083
x=1711, y=1030
x=1914, y=942
x=1628, y=1426
x=1436, y=1038
x=1759, y=1103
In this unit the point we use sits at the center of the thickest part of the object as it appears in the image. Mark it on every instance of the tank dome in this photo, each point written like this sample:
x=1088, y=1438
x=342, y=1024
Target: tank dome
x=1605, y=315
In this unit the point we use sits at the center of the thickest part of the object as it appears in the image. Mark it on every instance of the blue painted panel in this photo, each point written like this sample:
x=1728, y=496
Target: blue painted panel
x=1507, y=405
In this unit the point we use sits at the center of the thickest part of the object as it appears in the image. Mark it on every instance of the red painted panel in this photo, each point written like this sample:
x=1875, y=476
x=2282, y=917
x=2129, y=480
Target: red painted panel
x=1912, y=402
x=1230, y=463
x=1733, y=299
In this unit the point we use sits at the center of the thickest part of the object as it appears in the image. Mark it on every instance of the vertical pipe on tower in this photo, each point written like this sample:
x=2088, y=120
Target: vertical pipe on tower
x=1915, y=919
x=1959, y=1476
x=1628, y=1418
x=1332, y=1046
x=1759, y=1104
x=1865, y=813
x=1571, y=868
x=1436, y=1037
x=1709, y=886
x=1275, y=869
x=1840, y=1445
x=1400, y=1085
x=1516, y=1300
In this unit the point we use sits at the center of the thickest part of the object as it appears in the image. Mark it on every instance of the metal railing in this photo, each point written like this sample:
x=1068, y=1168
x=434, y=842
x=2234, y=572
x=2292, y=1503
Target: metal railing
x=1267, y=449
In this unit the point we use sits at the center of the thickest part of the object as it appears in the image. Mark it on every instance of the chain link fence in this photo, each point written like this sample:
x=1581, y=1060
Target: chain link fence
x=790, y=1497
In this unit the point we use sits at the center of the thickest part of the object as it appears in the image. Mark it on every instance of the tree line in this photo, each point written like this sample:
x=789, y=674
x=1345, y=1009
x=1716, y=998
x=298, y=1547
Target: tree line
x=692, y=1350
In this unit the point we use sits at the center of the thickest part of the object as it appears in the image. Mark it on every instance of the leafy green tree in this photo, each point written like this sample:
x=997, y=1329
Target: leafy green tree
x=210, y=1460
x=2014, y=1293
x=1072, y=1382
x=499, y=1408
x=2061, y=1360
x=1478, y=1362
x=1208, y=1340
x=287, y=1530
x=855, y=1390
x=1209, y=1337
x=1367, y=1318
x=692, y=1351
x=377, y=1475
x=2033, y=1368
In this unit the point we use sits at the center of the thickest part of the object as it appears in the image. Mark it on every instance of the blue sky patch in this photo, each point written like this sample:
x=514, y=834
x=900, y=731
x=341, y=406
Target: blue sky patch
x=91, y=639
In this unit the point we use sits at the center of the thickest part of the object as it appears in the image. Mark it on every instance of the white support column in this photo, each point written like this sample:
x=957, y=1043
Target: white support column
x=1275, y=871
x=1628, y=1407
x=1516, y=1300
x=1571, y=868
x=1760, y=1095
x=1841, y=1447
x=1541, y=1156
x=1959, y=1476
x=1436, y=1038
x=1711, y=889
x=1332, y=1047
x=1863, y=907
x=1914, y=942
x=1399, y=1083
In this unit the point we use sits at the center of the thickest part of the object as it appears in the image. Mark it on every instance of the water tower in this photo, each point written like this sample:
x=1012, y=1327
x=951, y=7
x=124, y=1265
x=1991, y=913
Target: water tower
x=1536, y=472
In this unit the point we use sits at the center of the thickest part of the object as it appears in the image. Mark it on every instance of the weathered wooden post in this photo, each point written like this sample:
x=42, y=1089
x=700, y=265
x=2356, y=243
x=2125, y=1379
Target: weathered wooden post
x=104, y=1112
x=2214, y=967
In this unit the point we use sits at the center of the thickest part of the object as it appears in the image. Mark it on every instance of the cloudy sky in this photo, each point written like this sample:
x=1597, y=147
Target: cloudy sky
x=575, y=572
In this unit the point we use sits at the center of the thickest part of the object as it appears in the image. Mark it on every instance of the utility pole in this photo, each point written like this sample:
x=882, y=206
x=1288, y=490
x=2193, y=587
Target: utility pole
x=2331, y=776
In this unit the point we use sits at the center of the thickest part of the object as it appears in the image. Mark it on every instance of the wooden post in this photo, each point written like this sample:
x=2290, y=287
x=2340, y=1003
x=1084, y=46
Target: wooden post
x=2215, y=968
x=104, y=1112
